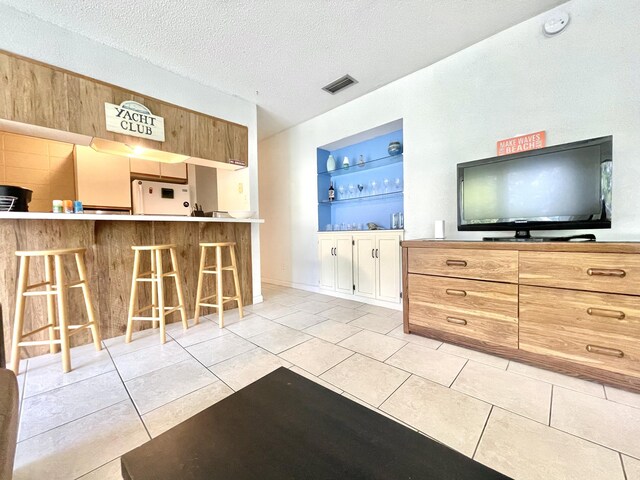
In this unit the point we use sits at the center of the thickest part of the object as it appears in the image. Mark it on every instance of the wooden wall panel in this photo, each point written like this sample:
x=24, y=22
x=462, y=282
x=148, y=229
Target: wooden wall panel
x=86, y=107
x=109, y=261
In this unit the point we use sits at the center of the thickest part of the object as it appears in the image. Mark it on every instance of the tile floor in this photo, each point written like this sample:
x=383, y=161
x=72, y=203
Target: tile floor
x=525, y=422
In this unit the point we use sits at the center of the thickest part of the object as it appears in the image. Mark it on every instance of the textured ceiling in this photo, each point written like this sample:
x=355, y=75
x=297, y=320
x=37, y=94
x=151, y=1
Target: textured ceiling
x=279, y=53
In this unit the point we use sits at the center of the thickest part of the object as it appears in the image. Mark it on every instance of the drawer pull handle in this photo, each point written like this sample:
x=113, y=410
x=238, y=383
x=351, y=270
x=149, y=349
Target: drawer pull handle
x=456, y=263
x=457, y=321
x=456, y=293
x=611, y=352
x=600, y=312
x=606, y=272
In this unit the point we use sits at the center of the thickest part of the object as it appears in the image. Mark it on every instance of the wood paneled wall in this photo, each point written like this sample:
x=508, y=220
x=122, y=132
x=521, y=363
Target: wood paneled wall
x=39, y=94
x=109, y=260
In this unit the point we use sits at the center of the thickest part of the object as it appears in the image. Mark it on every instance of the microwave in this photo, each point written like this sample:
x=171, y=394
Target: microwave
x=158, y=198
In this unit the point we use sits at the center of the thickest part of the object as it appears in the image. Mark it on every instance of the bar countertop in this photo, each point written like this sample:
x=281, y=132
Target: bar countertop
x=112, y=217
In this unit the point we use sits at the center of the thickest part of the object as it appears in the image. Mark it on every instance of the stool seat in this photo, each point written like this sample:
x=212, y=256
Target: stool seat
x=153, y=247
x=56, y=288
x=155, y=276
x=217, y=270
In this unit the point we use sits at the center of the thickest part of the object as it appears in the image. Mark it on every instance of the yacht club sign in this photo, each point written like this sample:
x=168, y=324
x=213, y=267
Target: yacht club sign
x=133, y=118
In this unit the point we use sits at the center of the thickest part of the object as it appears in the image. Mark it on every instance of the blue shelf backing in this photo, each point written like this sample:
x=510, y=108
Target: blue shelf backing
x=373, y=201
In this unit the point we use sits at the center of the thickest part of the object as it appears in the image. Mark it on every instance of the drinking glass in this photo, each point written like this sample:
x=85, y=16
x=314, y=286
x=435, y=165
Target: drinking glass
x=328, y=227
x=385, y=182
x=374, y=185
x=398, y=184
x=341, y=191
x=352, y=190
x=336, y=227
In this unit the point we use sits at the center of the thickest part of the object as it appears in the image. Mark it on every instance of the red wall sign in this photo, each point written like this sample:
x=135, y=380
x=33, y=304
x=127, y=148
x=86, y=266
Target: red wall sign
x=522, y=143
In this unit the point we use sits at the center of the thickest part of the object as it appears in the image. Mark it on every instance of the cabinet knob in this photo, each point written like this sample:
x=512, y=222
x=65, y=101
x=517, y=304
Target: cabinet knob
x=457, y=321
x=611, y=352
x=606, y=272
x=456, y=263
x=601, y=312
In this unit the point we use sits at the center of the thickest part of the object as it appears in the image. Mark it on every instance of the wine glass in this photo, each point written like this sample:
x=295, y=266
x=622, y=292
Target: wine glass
x=374, y=185
x=385, y=182
x=398, y=184
x=352, y=190
x=341, y=191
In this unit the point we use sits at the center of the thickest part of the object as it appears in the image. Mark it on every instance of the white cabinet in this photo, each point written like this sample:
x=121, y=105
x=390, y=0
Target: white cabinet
x=102, y=179
x=159, y=169
x=336, y=258
x=365, y=264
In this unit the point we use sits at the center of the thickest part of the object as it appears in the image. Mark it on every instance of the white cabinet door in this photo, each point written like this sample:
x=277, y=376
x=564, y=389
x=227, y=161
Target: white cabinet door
x=174, y=170
x=388, y=274
x=365, y=265
x=102, y=179
x=326, y=250
x=145, y=167
x=344, y=263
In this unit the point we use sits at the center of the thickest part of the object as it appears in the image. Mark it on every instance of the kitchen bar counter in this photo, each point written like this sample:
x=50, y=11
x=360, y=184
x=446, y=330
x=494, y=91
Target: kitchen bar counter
x=109, y=258
x=115, y=217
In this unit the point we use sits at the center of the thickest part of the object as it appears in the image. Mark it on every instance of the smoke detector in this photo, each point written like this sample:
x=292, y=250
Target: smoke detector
x=555, y=23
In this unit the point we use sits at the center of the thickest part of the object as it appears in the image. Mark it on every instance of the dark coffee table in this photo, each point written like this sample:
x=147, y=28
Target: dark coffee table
x=285, y=426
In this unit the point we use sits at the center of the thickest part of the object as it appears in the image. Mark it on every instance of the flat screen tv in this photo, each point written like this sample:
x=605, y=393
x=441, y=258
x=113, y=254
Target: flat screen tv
x=561, y=187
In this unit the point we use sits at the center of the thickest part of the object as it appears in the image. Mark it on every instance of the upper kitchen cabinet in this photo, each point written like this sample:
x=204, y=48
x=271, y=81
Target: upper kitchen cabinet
x=86, y=106
x=177, y=129
x=33, y=93
x=237, y=144
x=206, y=138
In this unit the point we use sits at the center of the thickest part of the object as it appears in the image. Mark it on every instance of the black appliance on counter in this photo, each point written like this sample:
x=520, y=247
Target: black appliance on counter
x=14, y=199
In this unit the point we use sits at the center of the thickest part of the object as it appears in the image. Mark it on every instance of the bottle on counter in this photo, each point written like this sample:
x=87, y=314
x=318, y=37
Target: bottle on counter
x=77, y=207
x=56, y=206
x=332, y=192
x=67, y=206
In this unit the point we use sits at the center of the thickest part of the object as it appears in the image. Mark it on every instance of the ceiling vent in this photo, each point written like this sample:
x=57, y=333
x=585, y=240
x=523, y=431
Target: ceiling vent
x=340, y=84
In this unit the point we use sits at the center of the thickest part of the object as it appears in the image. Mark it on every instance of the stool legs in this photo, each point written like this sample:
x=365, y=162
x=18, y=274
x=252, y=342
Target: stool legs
x=203, y=254
x=160, y=286
x=236, y=279
x=177, y=279
x=134, y=296
x=62, y=314
x=82, y=272
x=219, y=297
x=23, y=277
x=51, y=305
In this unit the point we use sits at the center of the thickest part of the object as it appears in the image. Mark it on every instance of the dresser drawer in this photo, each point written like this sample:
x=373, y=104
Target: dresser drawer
x=596, y=329
x=496, y=265
x=598, y=272
x=484, y=311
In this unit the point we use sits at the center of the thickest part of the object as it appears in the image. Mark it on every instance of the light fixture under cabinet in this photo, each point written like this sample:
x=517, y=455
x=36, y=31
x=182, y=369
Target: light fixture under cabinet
x=118, y=148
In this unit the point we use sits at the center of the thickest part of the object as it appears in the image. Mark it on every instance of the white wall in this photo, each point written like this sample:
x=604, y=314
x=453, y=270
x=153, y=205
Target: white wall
x=28, y=36
x=578, y=85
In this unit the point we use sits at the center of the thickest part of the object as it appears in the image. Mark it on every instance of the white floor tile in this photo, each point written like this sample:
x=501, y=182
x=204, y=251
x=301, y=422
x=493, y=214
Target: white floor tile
x=342, y=314
x=272, y=310
x=163, y=418
x=474, y=355
x=372, y=344
x=631, y=467
x=299, y=320
x=622, y=396
x=205, y=330
x=109, y=471
x=249, y=327
x=523, y=449
x=162, y=386
x=382, y=311
x=367, y=379
x=448, y=416
x=377, y=410
x=240, y=371
x=150, y=359
x=279, y=339
x=341, y=302
x=80, y=446
x=431, y=364
x=608, y=423
x=316, y=356
x=142, y=339
x=314, y=306
x=220, y=349
x=332, y=331
x=516, y=393
x=398, y=332
x=53, y=408
x=572, y=383
x=319, y=381
x=377, y=323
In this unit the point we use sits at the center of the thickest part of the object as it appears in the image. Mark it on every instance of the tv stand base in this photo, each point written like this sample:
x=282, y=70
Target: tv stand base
x=586, y=237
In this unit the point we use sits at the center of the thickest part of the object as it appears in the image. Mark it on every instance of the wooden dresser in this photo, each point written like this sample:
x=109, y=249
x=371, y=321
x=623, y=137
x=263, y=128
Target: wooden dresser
x=569, y=307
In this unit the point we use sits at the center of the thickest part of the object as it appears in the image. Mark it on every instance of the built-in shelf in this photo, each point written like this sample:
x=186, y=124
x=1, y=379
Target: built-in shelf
x=362, y=198
x=368, y=165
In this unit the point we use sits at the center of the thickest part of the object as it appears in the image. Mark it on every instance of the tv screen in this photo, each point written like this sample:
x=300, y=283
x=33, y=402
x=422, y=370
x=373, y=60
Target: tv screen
x=566, y=186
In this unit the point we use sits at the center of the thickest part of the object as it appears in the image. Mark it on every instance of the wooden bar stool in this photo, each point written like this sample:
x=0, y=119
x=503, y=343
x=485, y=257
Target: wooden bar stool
x=56, y=286
x=155, y=276
x=217, y=270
